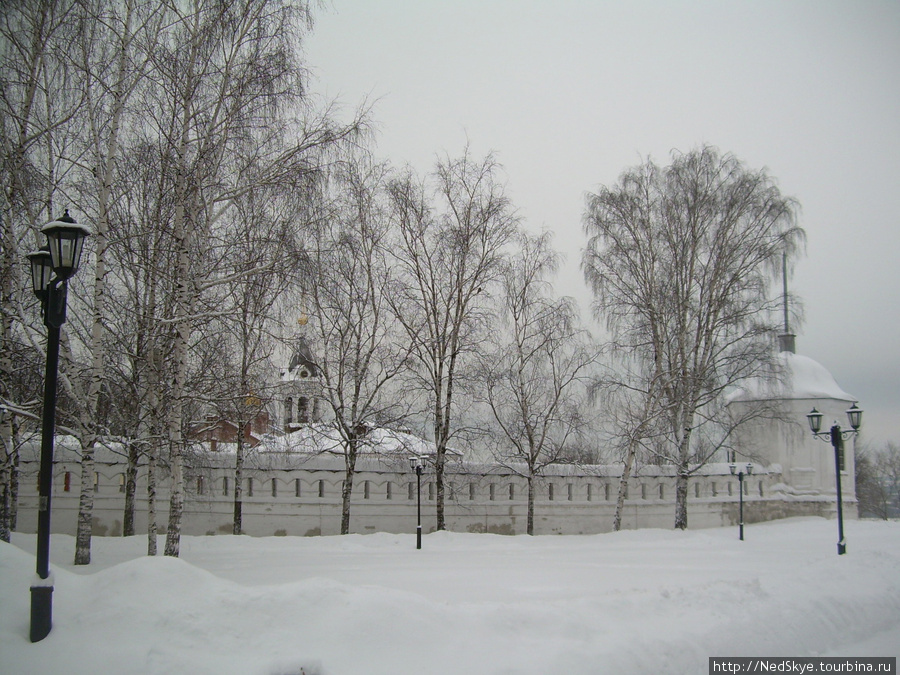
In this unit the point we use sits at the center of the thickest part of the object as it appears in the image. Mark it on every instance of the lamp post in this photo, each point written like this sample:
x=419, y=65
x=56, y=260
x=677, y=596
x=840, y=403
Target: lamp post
x=417, y=465
x=740, y=475
x=51, y=267
x=837, y=438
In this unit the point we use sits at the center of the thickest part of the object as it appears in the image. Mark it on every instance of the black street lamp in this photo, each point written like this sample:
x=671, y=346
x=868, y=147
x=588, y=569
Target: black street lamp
x=416, y=464
x=51, y=266
x=837, y=438
x=740, y=475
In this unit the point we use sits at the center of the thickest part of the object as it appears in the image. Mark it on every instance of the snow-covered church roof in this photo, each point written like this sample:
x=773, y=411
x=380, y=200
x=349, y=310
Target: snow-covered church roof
x=802, y=378
x=811, y=379
x=795, y=377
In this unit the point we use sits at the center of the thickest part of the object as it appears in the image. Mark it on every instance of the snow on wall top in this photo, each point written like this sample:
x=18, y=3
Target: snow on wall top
x=805, y=378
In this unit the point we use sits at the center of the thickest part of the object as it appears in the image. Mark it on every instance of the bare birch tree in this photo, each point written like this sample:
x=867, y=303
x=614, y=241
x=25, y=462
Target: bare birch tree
x=449, y=253
x=227, y=76
x=258, y=258
x=207, y=71
x=680, y=260
x=360, y=349
x=143, y=301
x=630, y=404
x=112, y=57
x=534, y=376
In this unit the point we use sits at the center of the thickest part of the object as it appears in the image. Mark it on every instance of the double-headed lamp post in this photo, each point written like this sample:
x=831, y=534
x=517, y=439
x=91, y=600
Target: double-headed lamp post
x=739, y=472
x=837, y=438
x=51, y=267
x=417, y=464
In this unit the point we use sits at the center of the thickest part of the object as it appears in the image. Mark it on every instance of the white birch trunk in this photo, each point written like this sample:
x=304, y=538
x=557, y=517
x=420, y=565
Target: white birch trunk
x=350, y=453
x=238, y=523
x=98, y=348
x=5, y=474
x=151, y=502
x=529, y=523
x=185, y=222
x=14, y=478
x=681, y=481
x=623, y=485
x=6, y=377
x=153, y=414
x=85, y=506
x=176, y=411
x=130, y=489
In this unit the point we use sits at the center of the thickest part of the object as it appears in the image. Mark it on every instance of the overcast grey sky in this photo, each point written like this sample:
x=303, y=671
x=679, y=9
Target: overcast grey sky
x=568, y=94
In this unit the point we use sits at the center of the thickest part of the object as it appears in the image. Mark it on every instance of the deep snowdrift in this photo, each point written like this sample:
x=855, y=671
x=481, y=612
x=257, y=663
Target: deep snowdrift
x=630, y=602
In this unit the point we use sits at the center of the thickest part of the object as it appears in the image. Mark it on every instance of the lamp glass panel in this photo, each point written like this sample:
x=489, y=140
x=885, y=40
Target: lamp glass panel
x=855, y=416
x=65, y=247
x=76, y=256
x=53, y=244
x=66, y=251
x=815, y=420
x=46, y=274
x=41, y=272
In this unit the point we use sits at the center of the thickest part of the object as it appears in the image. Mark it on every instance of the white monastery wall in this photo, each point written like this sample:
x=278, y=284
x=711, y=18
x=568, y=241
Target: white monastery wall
x=288, y=495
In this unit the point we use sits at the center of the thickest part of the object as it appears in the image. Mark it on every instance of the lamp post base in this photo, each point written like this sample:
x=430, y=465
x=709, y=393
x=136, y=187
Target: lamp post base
x=842, y=548
x=41, y=612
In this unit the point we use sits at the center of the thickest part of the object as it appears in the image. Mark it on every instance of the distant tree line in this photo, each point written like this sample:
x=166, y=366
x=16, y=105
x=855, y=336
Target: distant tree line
x=878, y=481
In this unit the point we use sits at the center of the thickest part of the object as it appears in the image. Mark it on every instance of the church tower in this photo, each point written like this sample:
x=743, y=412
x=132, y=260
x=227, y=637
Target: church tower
x=786, y=444
x=300, y=388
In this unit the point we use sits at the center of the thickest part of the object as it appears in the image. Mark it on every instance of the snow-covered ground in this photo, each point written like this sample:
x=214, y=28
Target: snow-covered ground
x=647, y=601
